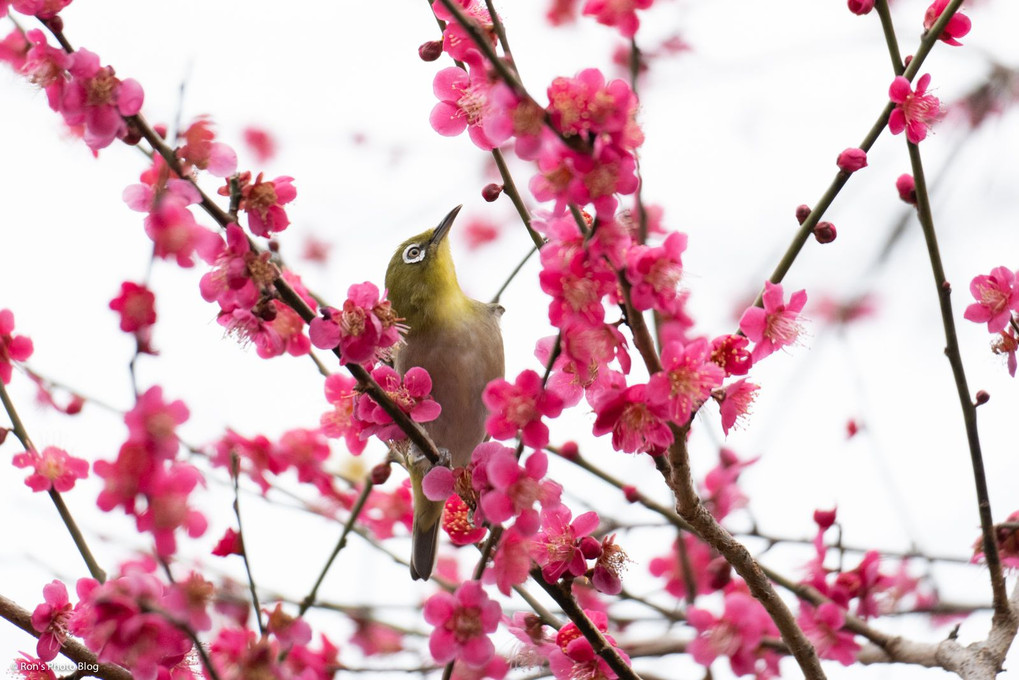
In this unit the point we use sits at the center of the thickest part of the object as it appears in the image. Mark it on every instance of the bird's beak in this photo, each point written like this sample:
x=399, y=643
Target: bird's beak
x=443, y=228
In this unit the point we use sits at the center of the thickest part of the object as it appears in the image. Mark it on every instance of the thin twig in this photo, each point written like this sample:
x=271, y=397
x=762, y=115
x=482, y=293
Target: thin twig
x=234, y=473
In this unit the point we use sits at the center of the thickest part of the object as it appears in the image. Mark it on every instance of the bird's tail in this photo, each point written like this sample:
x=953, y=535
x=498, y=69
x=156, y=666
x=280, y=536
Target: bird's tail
x=424, y=540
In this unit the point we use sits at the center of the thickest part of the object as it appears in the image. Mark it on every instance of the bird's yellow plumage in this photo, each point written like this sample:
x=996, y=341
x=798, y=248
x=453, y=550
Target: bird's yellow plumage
x=458, y=341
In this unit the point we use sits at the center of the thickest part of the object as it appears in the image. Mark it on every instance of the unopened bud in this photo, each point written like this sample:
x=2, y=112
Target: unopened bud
x=569, y=450
x=852, y=160
x=3, y=434
x=631, y=493
x=491, y=192
x=802, y=213
x=74, y=406
x=160, y=129
x=132, y=136
x=982, y=397
x=380, y=473
x=431, y=50
x=861, y=7
x=590, y=547
x=906, y=188
x=719, y=573
x=824, y=232
x=55, y=23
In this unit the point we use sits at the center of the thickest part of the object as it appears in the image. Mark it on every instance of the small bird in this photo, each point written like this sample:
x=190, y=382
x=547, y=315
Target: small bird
x=458, y=341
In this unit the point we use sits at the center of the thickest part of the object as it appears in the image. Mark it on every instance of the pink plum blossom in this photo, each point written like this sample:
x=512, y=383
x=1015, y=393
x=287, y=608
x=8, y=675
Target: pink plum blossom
x=957, y=27
x=201, y=152
x=1007, y=343
x=776, y=324
x=412, y=395
x=12, y=347
x=736, y=634
x=997, y=296
x=462, y=623
x=515, y=489
x=50, y=619
x=573, y=657
x=619, y=13
x=53, y=469
x=735, y=402
x=341, y=420
x=915, y=110
x=518, y=407
x=687, y=378
x=556, y=548
x=463, y=103
x=654, y=272
x=635, y=422
x=364, y=329
x=731, y=354
x=99, y=100
x=823, y=626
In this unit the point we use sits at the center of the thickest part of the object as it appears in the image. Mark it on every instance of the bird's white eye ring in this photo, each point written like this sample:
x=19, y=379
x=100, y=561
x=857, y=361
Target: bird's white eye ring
x=413, y=254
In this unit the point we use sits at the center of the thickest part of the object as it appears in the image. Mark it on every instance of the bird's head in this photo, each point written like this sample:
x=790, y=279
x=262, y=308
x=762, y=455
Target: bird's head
x=421, y=279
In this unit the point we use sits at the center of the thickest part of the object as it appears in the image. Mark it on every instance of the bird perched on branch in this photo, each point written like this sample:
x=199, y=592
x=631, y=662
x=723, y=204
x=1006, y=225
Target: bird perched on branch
x=458, y=341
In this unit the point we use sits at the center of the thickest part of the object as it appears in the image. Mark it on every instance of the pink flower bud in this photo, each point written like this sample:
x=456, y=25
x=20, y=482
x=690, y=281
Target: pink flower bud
x=719, y=573
x=802, y=212
x=861, y=7
x=431, y=50
x=631, y=494
x=590, y=547
x=824, y=232
x=906, y=188
x=569, y=450
x=491, y=192
x=852, y=159
x=982, y=397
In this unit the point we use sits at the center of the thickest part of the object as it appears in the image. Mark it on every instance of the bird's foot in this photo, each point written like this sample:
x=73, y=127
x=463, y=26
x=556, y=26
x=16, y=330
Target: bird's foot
x=422, y=464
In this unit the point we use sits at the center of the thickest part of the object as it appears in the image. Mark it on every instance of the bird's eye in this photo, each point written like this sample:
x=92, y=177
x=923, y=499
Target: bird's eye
x=413, y=253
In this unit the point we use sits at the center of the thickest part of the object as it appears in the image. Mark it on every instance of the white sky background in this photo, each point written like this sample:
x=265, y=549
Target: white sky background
x=739, y=132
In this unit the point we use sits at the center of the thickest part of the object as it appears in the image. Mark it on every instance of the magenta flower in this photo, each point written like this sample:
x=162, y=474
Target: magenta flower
x=263, y=202
x=668, y=567
x=635, y=422
x=341, y=421
x=50, y=620
x=456, y=42
x=557, y=548
x=731, y=354
x=823, y=626
x=957, y=27
x=116, y=621
x=915, y=110
x=189, y=601
x=736, y=634
x=777, y=324
x=511, y=563
x=577, y=282
x=619, y=13
x=153, y=422
x=735, y=403
x=167, y=508
x=364, y=329
x=517, y=408
x=136, y=305
x=46, y=66
x=720, y=491
x=687, y=378
x=997, y=296
x=201, y=152
x=412, y=395
x=53, y=469
x=514, y=489
x=588, y=106
x=12, y=347
x=463, y=105
x=99, y=100
x=654, y=273
x=573, y=657
x=462, y=624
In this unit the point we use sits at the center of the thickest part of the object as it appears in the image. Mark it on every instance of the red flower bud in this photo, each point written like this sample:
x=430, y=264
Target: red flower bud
x=431, y=50
x=491, y=192
x=824, y=232
x=802, y=212
x=380, y=473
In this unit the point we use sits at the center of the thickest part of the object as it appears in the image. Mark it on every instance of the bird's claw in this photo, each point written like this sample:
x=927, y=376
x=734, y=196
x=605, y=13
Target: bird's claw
x=423, y=464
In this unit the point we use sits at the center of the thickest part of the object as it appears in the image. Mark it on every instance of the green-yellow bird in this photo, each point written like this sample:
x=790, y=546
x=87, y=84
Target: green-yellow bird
x=458, y=341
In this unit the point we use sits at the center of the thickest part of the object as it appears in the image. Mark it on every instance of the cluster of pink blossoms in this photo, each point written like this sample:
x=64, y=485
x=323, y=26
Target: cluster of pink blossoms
x=147, y=480
x=997, y=305
x=12, y=347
